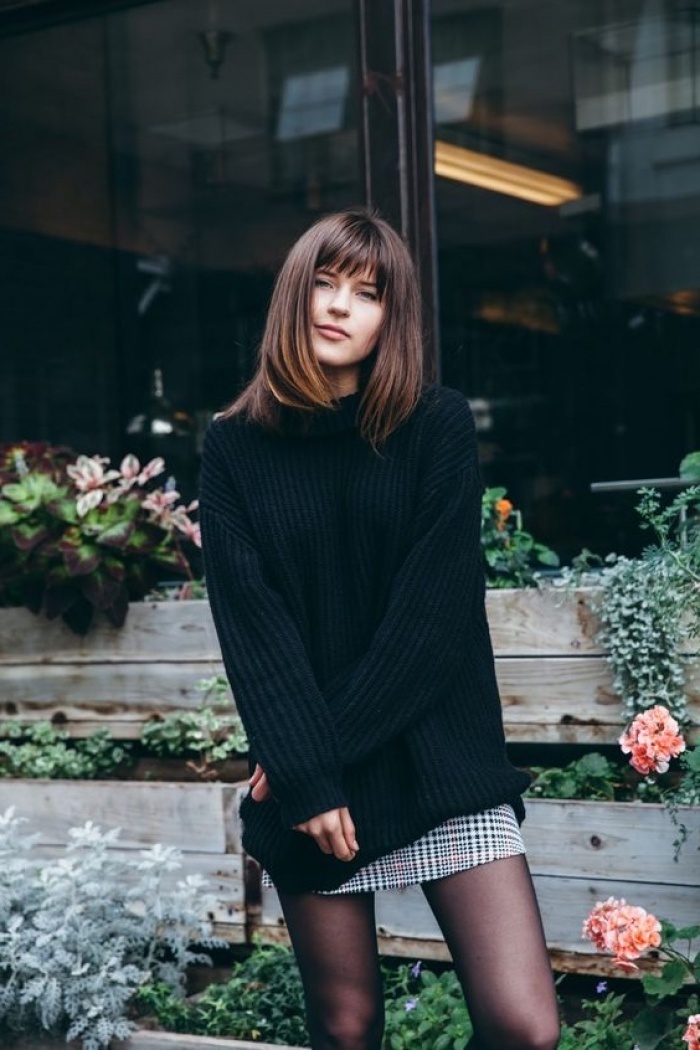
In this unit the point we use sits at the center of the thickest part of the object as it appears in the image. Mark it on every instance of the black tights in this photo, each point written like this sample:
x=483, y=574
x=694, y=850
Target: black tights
x=491, y=924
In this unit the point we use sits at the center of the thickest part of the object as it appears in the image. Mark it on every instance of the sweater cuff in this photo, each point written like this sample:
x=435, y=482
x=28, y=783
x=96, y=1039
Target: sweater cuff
x=306, y=800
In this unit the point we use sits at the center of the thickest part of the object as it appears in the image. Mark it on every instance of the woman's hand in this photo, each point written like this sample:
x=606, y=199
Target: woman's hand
x=259, y=787
x=333, y=833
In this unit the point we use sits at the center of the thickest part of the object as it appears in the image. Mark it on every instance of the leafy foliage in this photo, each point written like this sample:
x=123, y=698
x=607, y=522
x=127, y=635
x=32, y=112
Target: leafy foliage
x=208, y=735
x=512, y=557
x=76, y=537
x=590, y=777
x=649, y=607
x=81, y=934
x=41, y=750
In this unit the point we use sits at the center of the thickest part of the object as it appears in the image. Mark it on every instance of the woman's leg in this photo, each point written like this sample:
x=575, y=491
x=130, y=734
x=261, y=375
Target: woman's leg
x=335, y=944
x=491, y=922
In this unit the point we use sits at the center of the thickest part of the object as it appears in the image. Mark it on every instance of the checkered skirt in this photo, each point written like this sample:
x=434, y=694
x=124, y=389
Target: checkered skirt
x=455, y=845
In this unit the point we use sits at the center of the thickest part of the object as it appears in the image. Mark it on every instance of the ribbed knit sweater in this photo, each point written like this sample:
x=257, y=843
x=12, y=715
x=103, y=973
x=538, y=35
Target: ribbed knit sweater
x=347, y=590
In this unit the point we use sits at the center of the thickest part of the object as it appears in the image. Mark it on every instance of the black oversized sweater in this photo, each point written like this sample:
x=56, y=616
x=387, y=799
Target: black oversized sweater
x=347, y=591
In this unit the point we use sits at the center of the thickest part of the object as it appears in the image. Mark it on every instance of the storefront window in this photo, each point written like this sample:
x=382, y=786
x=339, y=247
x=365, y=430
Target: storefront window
x=567, y=157
x=157, y=163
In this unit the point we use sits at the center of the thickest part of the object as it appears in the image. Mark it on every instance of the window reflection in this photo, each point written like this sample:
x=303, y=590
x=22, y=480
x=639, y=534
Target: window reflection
x=572, y=319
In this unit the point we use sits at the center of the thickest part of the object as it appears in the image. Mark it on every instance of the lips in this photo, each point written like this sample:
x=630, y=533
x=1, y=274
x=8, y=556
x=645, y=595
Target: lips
x=332, y=331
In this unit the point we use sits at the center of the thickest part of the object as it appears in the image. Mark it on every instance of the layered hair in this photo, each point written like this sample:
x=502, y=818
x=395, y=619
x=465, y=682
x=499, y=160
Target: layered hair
x=288, y=373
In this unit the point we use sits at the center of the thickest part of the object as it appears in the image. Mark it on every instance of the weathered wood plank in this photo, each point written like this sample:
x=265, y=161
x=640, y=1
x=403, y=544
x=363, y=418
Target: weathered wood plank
x=193, y=817
x=593, y=840
x=532, y=622
x=404, y=919
x=173, y=1041
x=153, y=631
x=121, y=692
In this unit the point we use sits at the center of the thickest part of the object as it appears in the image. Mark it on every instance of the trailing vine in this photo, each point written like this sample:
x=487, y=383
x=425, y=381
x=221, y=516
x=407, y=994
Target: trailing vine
x=649, y=607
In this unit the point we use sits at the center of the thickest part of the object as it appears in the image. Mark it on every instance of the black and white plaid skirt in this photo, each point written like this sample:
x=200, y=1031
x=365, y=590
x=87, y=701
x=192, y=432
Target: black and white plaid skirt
x=455, y=845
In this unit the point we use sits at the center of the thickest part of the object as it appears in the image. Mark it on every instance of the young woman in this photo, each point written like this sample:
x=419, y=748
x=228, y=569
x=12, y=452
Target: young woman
x=340, y=514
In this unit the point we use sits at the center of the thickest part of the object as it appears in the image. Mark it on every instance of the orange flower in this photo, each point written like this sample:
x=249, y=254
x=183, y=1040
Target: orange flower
x=624, y=930
x=503, y=507
x=691, y=1036
x=652, y=740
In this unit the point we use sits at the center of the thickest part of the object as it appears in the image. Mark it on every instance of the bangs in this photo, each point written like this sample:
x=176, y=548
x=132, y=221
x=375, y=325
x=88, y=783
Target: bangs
x=356, y=247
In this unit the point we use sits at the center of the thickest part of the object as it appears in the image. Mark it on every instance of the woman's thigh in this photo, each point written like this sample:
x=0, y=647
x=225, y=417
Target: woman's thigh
x=491, y=923
x=335, y=944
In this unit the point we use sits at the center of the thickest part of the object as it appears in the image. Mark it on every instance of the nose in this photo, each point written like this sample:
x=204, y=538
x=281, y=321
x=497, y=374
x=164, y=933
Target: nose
x=340, y=301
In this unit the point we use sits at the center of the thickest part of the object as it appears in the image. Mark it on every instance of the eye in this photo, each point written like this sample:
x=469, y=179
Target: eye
x=322, y=282
x=371, y=296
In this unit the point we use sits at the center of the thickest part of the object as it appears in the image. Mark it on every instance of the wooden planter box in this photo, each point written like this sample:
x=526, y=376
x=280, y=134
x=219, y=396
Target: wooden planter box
x=554, y=682
x=112, y=678
x=579, y=853
x=201, y=820
x=147, y=1041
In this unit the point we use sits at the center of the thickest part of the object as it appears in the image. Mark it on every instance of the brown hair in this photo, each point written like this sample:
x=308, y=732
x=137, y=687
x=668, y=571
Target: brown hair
x=288, y=373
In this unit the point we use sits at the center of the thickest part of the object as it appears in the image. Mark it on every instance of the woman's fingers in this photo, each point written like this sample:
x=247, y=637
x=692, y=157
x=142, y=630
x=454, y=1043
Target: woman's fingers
x=333, y=833
x=259, y=785
x=348, y=826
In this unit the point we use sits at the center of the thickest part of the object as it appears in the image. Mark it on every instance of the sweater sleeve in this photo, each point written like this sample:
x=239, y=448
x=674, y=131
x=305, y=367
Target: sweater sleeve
x=425, y=628
x=276, y=694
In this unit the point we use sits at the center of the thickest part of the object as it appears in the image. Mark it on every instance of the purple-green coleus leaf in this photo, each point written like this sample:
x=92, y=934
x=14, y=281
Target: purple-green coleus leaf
x=28, y=534
x=100, y=589
x=81, y=560
x=117, y=535
x=171, y=558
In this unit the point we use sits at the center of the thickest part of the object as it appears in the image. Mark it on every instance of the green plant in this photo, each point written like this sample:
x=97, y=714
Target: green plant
x=603, y=1027
x=424, y=1009
x=77, y=537
x=40, y=750
x=649, y=607
x=262, y=1000
x=80, y=934
x=208, y=735
x=590, y=777
x=512, y=557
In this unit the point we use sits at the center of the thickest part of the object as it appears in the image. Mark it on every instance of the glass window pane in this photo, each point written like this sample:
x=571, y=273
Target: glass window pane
x=157, y=164
x=568, y=199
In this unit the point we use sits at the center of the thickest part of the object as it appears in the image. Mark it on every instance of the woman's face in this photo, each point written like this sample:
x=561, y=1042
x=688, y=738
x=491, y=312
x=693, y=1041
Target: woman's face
x=346, y=317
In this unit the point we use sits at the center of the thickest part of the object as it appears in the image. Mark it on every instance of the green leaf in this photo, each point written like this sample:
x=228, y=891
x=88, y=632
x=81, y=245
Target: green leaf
x=689, y=469
x=671, y=980
x=144, y=539
x=548, y=557
x=82, y=560
x=687, y=933
x=100, y=589
x=171, y=559
x=650, y=1028
x=28, y=534
x=8, y=514
x=65, y=509
x=118, y=535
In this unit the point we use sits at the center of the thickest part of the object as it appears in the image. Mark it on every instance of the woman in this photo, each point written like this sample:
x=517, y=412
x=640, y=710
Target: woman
x=340, y=514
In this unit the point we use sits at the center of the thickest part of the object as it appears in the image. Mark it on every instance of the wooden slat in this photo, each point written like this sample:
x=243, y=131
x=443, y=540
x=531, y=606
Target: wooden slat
x=593, y=840
x=173, y=1041
x=406, y=927
x=153, y=631
x=125, y=692
x=192, y=817
x=531, y=622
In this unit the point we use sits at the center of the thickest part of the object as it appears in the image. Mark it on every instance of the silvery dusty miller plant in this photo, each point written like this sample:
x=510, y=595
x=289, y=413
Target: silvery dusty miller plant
x=79, y=935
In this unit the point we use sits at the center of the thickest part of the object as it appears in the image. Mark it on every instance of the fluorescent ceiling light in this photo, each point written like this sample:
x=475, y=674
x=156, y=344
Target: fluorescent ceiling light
x=502, y=176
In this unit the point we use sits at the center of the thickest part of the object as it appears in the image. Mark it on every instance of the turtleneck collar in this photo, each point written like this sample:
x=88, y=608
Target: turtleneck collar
x=341, y=417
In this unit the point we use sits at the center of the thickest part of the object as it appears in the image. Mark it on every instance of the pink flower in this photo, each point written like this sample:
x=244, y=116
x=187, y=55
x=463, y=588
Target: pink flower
x=691, y=1036
x=624, y=930
x=151, y=470
x=91, y=480
x=652, y=740
x=160, y=502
